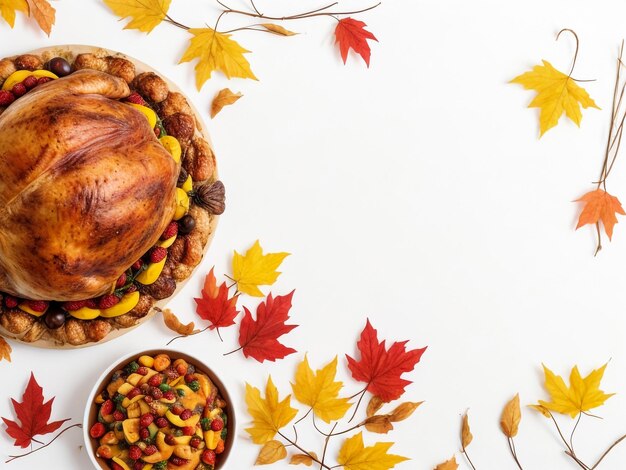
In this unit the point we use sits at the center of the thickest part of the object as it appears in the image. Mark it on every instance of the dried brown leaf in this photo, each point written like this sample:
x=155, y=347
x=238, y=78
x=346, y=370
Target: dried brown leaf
x=466, y=435
x=403, y=411
x=271, y=452
x=174, y=324
x=303, y=459
x=5, y=350
x=374, y=405
x=276, y=29
x=511, y=417
x=448, y=465
x=43, y=13
x=380, y=424
x=223, y=98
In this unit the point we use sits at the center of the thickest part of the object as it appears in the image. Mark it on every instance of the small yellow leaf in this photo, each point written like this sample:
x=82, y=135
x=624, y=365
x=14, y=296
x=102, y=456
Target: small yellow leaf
x=271, y=452
x=174, y=324
x=145, y=14
x=380, y=424
x=466, y=435
x=582, y=394
x=9, y=7
x=277, y=29
x=303, y=459
x=43, y=13
x=5, y=350
x=269, y=414
x=557, y=94
x=353, y=455
x=448, y=465
x=374, y=405
x=541, y=409
x=255, y=269
x=511, y=417
x=320, y=391
x=216, y=51
x=403, y=411
x=225, y=97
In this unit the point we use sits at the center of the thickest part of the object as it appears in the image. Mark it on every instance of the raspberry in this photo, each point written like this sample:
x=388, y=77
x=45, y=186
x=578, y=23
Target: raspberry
x=42, y=80
x=6, y=98
x=37, y=305
x=178, y=461
x=170, y=231
x=155, y=380
x=217, y=425
x=195, y=442
x=189, y=431
x=134, y=452
x=208, y=457
x=10, y=301
x=169, y=395
x=118, y=415
x=143, y=370
x=146, y=420
x=74, y=305
x=121, y=281
x=91, y=303
x=170, y=440
x=185, y=415
x=161, y=422
x=148, y=399
x=133, y=393
x=116, y=466
x=137, y=265
x=30, y=82
x=18, y=90
x=151, y=449
x=171, y=373
x=190, y=378
x=181, y=369
x=107, y=408
x=131, y=288
x=144, y=433
x=97, y=430
x=156, y=393
x=220, y=446
x=108, y=301
x=138, y=465
x=158, y=253
x=177, y=409
x=135, y=98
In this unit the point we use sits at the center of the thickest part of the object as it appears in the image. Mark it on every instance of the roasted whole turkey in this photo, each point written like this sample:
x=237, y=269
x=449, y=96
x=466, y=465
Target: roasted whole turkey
x=85, y=188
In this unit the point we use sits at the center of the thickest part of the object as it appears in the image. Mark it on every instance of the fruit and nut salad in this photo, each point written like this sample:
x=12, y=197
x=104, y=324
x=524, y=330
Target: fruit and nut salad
x=158, y=413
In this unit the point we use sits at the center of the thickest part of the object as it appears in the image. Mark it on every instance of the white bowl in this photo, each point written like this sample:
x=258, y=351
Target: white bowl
x=91, y=410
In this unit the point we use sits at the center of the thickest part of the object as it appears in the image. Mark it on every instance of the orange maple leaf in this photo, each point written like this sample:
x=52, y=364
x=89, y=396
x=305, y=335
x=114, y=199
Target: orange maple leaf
x=600, y=206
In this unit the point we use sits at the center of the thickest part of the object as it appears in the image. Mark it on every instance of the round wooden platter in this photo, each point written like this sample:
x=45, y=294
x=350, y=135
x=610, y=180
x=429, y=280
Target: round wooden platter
x=69, y=52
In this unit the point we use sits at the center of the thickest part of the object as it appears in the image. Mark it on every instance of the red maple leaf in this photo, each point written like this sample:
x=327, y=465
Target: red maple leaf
x=351, y=33
x=259, y=338
x=380, y=368
x=215, y=306
x=33, y=415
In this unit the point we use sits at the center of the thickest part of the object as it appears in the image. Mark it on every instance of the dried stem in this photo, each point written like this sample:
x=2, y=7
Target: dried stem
x=575, y=53
x=332, y=433
x=191, y=334
x=326, y=445
x=308, y=14
x=513, y=452
x=570, y=452
x=606, y=452
x=14, y=457
x=358, y=403
x=311, y=456
x=464, y=450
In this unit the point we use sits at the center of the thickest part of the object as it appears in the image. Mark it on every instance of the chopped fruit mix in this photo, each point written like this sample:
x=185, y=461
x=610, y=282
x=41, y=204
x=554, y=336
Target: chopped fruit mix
x=187, y=430
x=124, y=294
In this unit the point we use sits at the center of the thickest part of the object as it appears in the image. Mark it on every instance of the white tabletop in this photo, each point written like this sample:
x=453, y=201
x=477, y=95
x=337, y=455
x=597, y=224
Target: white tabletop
x=415, y=193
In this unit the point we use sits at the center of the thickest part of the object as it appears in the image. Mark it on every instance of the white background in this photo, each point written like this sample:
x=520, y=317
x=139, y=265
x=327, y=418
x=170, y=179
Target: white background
x=415, y=193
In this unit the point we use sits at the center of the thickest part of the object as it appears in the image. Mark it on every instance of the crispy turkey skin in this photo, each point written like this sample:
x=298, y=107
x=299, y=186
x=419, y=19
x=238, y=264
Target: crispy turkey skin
x=85, y=188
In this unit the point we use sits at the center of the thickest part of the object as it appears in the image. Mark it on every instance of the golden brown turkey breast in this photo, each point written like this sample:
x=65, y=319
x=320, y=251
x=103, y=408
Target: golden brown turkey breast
x=85, y=188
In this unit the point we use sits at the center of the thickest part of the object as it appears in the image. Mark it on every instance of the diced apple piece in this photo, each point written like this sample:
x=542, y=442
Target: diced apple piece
x=158, y=408
x=125, y=388
x=206, y=386
x=143, y=406
x=131, y=430
x=176, y=421
x=125, y=305
x=192, y=463
x=211, y=438
x=152, y=273
x=121, y=463
x=85, y=313
x=133, y=410
x=127, y=402
x=134, y=379
x=176, y=381
x=165, y=400
x=146, y=361
x=182, y=440
x=114, y=386
x=184, y=452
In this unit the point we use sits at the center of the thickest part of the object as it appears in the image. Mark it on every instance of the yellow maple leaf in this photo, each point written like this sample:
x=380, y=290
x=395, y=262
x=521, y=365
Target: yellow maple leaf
x=145, y=14
x=582, y=394
x=216, y=51
x=557, y=94
x=353, y=455
x=269, y=414
x=320, y=391
x=9, y=7
x=255, y=269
